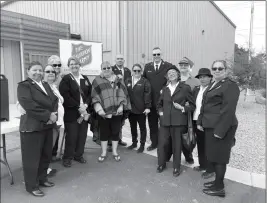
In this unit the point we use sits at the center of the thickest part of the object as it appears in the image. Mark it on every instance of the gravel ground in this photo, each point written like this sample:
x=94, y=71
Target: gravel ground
x=249, y=152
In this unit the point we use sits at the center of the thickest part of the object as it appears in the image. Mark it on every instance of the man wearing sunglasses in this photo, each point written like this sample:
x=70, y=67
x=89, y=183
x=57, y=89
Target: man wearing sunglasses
x=155, y=73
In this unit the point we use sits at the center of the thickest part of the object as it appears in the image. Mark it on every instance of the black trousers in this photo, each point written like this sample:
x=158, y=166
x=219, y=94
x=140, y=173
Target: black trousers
x=141, y=120
x=173, y=133
x=55, y=147
x=36, y=151
x=153, y=122
x=75, y=139
x=109, y=128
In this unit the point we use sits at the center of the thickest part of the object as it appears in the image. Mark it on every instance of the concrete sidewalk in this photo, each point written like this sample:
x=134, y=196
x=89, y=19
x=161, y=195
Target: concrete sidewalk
x=132, y=180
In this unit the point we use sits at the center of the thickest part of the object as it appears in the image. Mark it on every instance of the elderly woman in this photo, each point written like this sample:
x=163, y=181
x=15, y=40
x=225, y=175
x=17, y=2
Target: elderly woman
x=139, y=90
x=218, y=119
x=173, y=116
x=76, y=91
x=109, y=100
x=36, y=128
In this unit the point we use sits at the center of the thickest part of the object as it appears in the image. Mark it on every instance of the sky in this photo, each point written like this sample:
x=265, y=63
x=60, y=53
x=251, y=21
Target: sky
x=239, y=12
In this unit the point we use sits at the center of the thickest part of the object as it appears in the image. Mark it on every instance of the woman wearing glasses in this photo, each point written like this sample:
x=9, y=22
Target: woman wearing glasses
x=76, y=91
x=55, y=62
x=218, y=119
x=109, y=100
x=139, y=90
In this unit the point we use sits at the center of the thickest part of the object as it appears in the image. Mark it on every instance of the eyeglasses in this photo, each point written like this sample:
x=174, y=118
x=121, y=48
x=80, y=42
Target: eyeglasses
x=219, y=69
x=56, y=65
x=156, y=54
x=106, y=68
x=137, y=71
x=183, y=64
x=50, y=71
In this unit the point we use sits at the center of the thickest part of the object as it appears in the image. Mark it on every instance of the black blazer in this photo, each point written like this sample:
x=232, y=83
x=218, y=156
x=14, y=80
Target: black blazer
x=127, y=72
x=157, y=79
x=37, y=104
x=171, y=115
x=69, y=90
x=219, y=107
x=140, y=95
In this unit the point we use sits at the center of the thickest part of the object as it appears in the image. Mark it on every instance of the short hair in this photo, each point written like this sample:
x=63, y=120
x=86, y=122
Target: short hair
x=221, y=61
x=34, y=63
x=138, y=65
x=52, y=59
x=73, y=58
x=49, y=65
x=105, y=63
x=156, y=48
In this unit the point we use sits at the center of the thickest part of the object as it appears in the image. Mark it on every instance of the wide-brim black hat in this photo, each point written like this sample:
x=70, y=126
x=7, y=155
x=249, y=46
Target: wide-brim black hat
x=173, y=67
x=204, y=71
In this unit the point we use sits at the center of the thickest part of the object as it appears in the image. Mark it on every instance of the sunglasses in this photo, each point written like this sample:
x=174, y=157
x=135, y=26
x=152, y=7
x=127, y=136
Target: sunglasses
x=50, y=71
x=137, y=71
x=107, y=68
x=56, y=65
x=219, y=69
x=156, y=54
x=183, y=64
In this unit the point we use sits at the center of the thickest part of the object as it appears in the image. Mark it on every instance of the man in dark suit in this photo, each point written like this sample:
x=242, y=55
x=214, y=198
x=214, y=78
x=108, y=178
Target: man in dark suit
x=155, y=73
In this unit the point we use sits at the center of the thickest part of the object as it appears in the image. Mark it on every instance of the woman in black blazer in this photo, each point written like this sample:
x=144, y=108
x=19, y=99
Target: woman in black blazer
x=36, y=128
x=173, y=116
x=76, y=91
x=217, y=118
x=139, y=90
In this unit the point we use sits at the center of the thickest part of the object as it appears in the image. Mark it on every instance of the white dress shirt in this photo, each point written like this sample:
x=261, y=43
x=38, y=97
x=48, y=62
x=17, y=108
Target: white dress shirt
x=157, y=64
x=199, y=102
x=134, y=80
x=78, y=80
x=40, y=84
x=172, y=88
x=121, y=69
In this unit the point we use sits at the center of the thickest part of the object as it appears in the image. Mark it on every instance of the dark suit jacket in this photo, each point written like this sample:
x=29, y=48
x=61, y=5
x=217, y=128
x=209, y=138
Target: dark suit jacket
x=127, y=72
x=69, y=90
x=140, y=95
x=157, y=79
x=37, y=104
x=171, y=115
x=219, y=107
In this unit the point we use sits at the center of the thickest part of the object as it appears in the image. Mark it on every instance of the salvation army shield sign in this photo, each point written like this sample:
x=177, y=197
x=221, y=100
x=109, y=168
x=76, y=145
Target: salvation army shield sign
x=83, y=53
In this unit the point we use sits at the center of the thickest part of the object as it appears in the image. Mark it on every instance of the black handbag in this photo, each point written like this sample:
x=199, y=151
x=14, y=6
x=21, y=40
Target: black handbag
x=189, y=138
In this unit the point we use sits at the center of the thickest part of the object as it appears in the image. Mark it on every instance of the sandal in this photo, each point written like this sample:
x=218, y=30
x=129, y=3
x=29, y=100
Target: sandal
x=102, y=158
x=117, y=157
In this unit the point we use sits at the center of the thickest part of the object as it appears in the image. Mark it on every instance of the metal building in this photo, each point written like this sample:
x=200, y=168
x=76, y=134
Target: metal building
x=196, y=29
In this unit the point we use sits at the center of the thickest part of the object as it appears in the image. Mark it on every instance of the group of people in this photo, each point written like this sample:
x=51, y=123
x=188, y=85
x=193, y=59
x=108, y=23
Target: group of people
x=162, y=92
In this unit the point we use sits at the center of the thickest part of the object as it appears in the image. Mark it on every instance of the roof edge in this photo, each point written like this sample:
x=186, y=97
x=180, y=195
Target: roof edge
x=6, y=3
x=220, y=10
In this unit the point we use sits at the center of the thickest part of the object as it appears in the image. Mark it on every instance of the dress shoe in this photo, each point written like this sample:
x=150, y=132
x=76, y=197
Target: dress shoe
x=51, y=172
x=207, y=175
x=121, y=143
x=209, y=184
x=141, y=149
x=80, y=160
x=150, y=148
x=46, y=184
x=37, y=193
x=134, y=145
x=190, y=161
x=161, y=168
x=214, y=192
x=198, y=168
x=67, y=163
x=176, y=172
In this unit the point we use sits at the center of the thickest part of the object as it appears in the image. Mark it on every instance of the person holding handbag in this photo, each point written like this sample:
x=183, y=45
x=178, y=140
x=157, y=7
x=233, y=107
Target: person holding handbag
x=174, y=120
x=76, y=91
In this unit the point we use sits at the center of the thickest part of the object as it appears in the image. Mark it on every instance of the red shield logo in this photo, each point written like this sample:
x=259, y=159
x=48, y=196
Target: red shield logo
x=83, y=53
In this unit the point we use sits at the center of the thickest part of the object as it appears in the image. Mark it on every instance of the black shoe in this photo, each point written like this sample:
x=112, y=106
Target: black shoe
x=161, y=168
x=190, y=161
x=141, y=149
x=98, y=142
x=37, y=193
x=52, y=173
x=80, y=160
x=176, y=172
x=67, y=163
x=122, y=143
x=134, y=145
x=214, y=192
x=198, y=168
x=150, y=148
x=46, y=184
x=207, y=175
x=209, y=184
x=109, y=148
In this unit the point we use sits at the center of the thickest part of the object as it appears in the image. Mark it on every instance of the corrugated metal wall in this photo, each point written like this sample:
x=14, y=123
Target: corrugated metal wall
x=94, y=20
x=176, y=27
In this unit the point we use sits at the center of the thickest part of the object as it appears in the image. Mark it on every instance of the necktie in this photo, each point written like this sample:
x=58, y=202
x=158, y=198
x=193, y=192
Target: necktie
x=120, y=72
x=157, y=67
